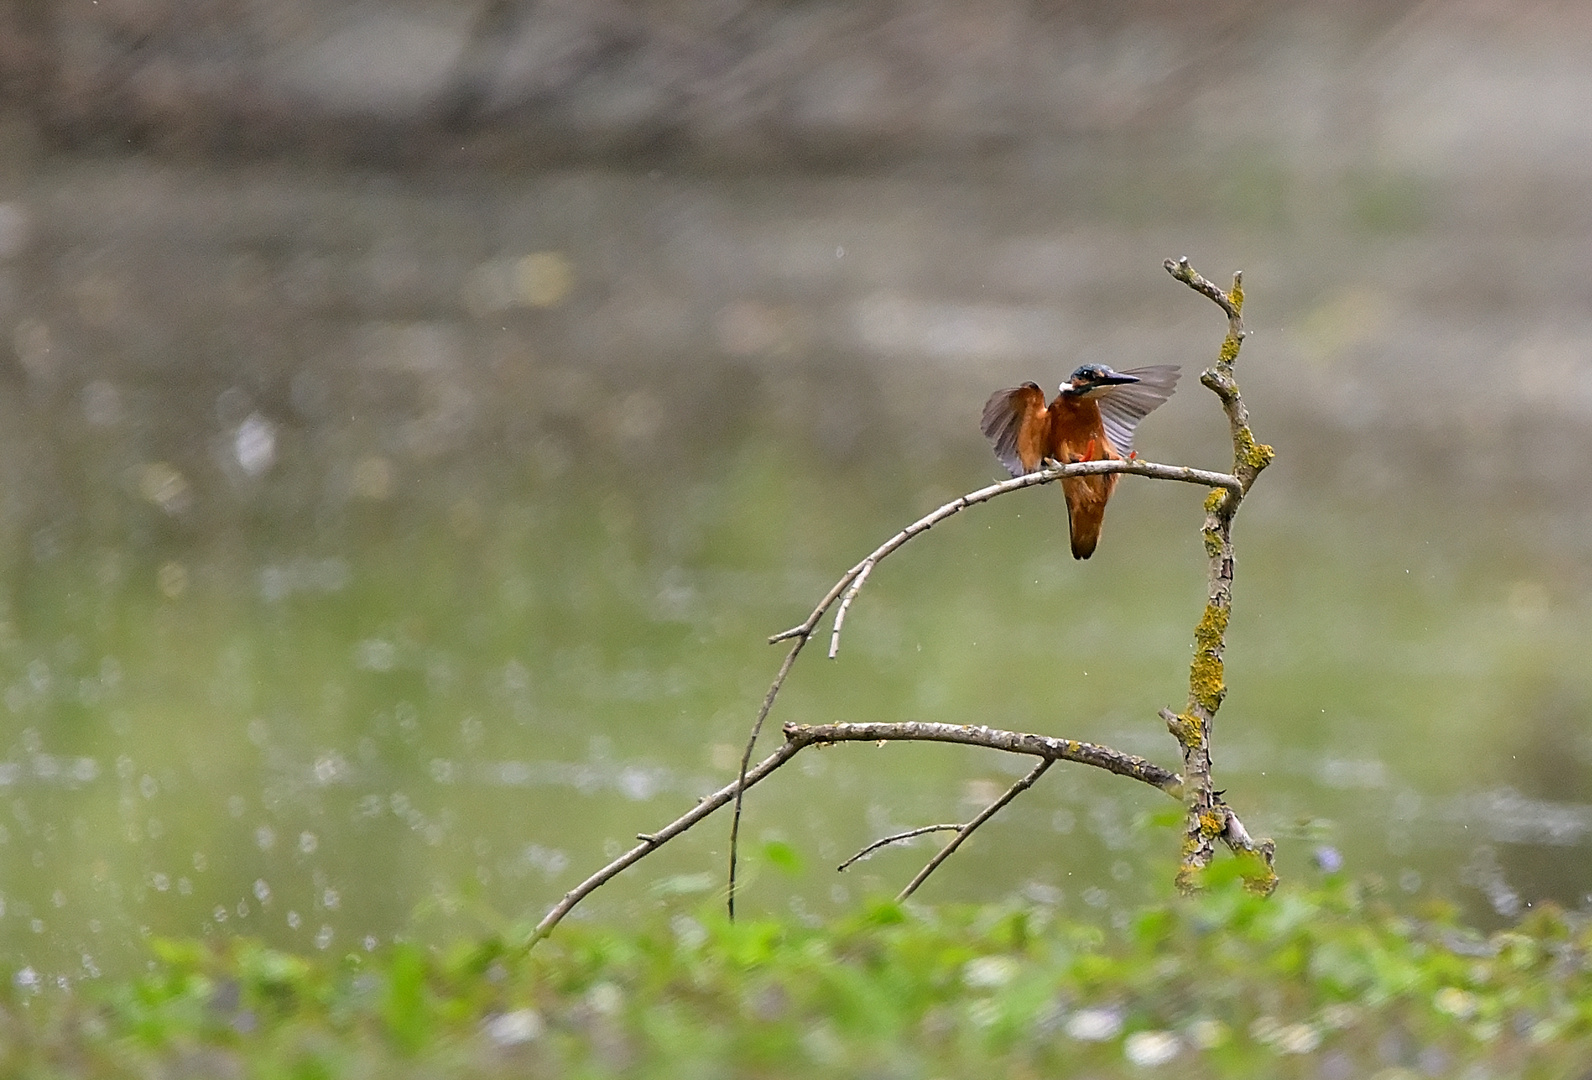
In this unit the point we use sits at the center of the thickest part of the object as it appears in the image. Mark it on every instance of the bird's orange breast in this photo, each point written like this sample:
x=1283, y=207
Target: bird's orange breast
x=1077, y=432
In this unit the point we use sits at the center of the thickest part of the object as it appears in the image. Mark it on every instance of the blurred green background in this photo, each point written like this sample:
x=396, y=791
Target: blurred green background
x=414, y=420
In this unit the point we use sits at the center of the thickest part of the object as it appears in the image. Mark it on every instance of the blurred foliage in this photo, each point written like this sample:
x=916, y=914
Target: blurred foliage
x=1328, y=982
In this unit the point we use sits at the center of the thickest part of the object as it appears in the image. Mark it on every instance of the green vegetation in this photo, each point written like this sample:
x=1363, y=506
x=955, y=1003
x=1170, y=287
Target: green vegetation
x=1332, y=982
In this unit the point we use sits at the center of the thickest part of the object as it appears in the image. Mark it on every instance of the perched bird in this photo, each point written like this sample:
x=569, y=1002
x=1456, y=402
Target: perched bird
x=1092, y=419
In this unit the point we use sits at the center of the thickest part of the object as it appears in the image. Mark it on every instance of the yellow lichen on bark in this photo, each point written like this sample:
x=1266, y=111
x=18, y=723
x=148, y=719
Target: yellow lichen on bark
x=1210, y=823
x=1188, y=729
x=1205, y=672
x=1188, y=871
x=1259, y=877
x=1256, y=455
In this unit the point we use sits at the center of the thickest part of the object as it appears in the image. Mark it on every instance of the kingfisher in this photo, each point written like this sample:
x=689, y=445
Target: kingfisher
x=1092, y=419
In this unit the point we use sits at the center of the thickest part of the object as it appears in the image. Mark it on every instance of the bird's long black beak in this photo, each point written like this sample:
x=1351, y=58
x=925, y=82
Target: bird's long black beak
x=1115, y=378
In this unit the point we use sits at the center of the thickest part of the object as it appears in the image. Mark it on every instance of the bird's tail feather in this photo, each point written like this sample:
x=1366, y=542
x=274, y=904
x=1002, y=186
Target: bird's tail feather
x=1086, y=510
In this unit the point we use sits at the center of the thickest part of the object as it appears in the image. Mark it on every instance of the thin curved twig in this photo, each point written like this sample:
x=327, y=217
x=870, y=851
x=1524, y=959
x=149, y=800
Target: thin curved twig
x=746, y=759
x=898, y=838
x=650, y=842
x=845, y=604
x=967, y=830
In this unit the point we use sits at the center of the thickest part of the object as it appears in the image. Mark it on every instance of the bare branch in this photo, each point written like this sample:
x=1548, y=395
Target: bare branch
x=967, y=830
x=650, y=842
x=897, y=838
x=1237, y=837
x=1194, y=280
x=1012, y=742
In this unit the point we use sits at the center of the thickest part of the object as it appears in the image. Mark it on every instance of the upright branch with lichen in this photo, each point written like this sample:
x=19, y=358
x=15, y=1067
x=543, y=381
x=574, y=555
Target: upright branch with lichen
x=1209, y=817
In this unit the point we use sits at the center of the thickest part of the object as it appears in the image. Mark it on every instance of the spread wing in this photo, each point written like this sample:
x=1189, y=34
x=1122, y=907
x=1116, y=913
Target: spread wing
x=1122, y=407
x=1006, y=414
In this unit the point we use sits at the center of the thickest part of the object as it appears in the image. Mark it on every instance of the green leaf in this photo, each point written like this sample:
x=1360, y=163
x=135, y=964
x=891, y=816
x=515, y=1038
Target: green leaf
x=783, y=856
x=405, y=1007
x=1169, y=818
